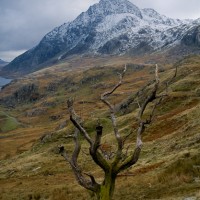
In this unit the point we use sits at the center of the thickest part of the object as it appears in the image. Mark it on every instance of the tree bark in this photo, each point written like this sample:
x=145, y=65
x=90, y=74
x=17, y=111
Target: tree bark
x=107, y=188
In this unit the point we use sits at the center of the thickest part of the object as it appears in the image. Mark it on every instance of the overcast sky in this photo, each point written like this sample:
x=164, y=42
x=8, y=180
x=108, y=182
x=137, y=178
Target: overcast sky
x=23, y=23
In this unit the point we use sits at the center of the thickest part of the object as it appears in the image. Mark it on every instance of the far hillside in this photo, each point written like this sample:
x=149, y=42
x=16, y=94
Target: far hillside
x=2, y=63
x=35, y=121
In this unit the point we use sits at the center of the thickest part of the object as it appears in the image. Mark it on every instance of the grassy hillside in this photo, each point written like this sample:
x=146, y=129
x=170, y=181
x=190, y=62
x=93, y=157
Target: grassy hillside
x=30, y=166
x=7, y=123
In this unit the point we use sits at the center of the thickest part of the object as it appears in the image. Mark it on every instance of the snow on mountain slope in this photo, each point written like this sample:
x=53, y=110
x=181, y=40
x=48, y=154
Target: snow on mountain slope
x=114, y=20
x=108, y=27
x=109, y=19
x=137, y=29
x=57, y=33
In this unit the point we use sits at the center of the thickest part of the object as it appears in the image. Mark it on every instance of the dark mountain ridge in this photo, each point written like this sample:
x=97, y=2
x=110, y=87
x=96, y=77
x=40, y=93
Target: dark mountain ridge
x=2, y=63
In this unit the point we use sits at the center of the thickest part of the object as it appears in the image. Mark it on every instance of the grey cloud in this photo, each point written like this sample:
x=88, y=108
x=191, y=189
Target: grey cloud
x=9, y=55
x=24, y=22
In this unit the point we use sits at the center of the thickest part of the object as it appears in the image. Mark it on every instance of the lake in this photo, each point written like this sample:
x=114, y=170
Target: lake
x=4, y=81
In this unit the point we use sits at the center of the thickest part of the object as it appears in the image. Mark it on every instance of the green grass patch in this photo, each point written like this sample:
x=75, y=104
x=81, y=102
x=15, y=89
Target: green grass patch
x=185, y=86
x=7, y=123
x=170, y=104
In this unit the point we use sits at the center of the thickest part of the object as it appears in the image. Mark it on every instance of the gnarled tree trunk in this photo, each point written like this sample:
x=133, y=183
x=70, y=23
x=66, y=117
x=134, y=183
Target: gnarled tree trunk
x=106, y=190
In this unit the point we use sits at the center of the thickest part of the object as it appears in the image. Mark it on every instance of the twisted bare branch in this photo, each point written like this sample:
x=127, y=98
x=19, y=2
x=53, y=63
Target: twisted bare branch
x=75, y=120
x=132, y=159
x=88, y=184
x=112, y=113
x=152, y=97
x=108, y=93
x=96, y=155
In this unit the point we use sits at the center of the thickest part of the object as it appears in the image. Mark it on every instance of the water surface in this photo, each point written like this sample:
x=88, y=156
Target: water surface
x=4, y=81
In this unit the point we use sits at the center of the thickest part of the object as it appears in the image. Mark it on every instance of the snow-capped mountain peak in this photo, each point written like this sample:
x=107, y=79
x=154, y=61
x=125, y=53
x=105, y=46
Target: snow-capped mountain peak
x=118, y=7
x=111, y=27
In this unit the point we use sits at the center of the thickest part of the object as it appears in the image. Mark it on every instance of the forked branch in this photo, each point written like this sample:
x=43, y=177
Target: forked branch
x=142, y=123
x=96, y=155
x=88, y=184
x=104, y=97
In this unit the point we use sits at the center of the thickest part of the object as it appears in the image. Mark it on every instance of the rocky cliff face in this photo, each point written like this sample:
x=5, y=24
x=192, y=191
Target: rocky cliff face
x=192, y=37
x=109, y=27
x=25, y=94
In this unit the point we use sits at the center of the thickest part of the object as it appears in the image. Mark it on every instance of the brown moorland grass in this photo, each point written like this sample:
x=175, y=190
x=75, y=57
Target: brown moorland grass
x=31, y=168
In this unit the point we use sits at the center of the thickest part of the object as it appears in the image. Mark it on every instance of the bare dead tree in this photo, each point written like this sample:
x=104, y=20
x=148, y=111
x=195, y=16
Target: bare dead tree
x=120, y=160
